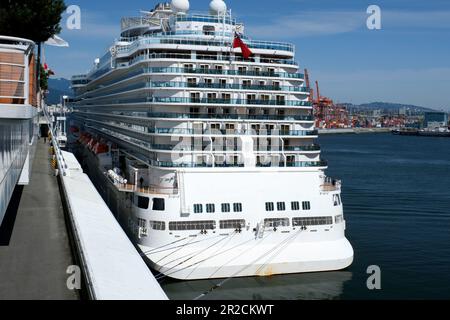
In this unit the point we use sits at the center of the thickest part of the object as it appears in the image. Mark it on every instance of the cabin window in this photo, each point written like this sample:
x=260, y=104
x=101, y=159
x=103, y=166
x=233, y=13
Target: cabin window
x=210, y=208
x=269, y=206
x=281, y=206
x=143, y=202
x=209, y=30
x=158, y=204
x=192, y=82
x=295, y=205
x=242, y=69
x=198, y=208
x=306, y=205
x=237, y=207
x=226, y=207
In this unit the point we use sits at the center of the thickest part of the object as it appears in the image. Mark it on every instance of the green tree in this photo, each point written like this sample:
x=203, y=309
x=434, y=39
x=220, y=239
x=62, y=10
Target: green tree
x=37, y=20
x=43, y=80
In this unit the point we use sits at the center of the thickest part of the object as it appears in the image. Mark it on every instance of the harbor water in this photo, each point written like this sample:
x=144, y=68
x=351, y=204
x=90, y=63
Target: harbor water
x=396, y=193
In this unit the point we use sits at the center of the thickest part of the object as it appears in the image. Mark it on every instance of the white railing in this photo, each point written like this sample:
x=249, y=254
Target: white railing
x=60, y=161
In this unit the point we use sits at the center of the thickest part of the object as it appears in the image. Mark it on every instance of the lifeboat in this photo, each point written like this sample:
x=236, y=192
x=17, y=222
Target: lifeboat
x=92, y=143
x=100, y=148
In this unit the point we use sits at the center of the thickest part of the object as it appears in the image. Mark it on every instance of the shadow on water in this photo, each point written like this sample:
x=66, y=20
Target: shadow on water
x=310, y=286
x=7, y=227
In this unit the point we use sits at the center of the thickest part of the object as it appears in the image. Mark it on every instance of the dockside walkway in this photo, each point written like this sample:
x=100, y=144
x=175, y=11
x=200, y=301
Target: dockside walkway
x=34, y=246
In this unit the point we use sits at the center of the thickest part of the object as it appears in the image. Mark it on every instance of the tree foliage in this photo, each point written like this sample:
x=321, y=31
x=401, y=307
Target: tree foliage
x=37, y=20
x=43, y=79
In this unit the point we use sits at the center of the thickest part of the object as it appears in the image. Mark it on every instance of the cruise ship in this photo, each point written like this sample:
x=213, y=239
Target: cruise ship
x=18, y=115
x=202, y=142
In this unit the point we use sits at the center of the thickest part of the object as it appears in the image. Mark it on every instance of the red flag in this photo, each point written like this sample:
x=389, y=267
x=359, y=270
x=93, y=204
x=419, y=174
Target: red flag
x=238, y=43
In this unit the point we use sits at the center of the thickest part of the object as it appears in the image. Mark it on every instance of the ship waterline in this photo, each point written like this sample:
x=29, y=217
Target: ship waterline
x=208, y=159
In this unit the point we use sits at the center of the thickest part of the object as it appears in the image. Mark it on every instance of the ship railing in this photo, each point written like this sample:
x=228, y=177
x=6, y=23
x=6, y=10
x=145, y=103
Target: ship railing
x=180, y=56
x=225, y=72
x=173, y=84
x=215, y=116
x=170, y=70
x=224, y=164
x=229, y=116
x=136, y=22
x=147, y=40
x=330, y=184
x=204, y=18
x=176, y=100
x=146, y=190
x=293, y=103
x=234, y=131
x=61, y=163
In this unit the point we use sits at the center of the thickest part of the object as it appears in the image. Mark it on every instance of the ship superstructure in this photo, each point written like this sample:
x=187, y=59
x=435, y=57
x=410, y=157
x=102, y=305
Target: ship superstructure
x=18, y=115
x=208, y=159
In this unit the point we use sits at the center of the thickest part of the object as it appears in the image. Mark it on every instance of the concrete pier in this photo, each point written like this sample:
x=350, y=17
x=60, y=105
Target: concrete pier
x=34, y=246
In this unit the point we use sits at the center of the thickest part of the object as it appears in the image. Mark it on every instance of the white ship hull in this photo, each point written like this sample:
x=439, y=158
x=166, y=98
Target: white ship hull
x=192, y=255
x=259, y=257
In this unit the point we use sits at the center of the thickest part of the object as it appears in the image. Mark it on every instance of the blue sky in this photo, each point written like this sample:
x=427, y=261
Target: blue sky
x=407, y=61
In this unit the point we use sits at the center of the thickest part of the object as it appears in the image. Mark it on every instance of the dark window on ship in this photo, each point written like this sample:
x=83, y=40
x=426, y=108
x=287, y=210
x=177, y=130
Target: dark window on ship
x=237, y=207
x=276, y=222
x=143, y=202
x=226, y=207
x=192, y=82
x=232, y=224
x=210, y=208
x=158, y=204
x=281, y=206
x=198, y=208
x=209, y=30
x=192, y=225
x=269, y=206
x=336, y=200
x=142, y=223
x=295, y=205
x=306, y=205
x=157, y=225
x=312, y=221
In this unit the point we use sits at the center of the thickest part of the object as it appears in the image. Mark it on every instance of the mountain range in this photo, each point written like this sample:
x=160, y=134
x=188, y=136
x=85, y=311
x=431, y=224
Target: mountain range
x=57, y=88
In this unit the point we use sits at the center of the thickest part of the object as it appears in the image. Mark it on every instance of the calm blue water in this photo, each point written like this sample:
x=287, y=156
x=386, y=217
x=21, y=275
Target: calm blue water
x=396, y=193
